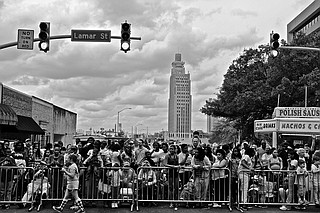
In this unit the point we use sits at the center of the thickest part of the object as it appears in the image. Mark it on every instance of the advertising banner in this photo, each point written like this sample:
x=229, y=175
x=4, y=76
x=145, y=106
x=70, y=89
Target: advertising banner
x=265, y=125
x=300, y=126
x=297, y=112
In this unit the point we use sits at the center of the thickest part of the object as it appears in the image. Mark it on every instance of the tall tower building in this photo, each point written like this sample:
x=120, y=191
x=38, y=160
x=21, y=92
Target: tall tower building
x=179, y=124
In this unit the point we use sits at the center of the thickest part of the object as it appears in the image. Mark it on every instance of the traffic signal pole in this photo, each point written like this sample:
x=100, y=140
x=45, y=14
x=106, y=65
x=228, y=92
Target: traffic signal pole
x=15, y=43
x=293, y=48
x=300, y=48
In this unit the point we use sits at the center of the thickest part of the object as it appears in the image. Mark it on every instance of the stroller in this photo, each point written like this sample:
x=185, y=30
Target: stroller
x=37, y=188
x=189, y=191
x=261, y=190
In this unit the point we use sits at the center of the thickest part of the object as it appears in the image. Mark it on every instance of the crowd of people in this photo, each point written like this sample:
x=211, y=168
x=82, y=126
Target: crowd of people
x=162, y=171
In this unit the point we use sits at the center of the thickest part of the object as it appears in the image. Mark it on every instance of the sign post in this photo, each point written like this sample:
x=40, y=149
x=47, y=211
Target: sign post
x=25, y=39
x=91, y=35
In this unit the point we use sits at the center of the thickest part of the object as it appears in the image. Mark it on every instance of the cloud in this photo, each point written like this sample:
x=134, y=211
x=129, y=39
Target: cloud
x=96, y=80
x=214, y=11
x=29, y=80
x=243, y=13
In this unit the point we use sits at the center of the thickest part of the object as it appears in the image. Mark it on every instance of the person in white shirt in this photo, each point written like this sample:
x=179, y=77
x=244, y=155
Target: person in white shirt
x=244, y=146
x=72, y=173
x=184, y=159
x=245, y=167
x=156, y=153
x=165, y=149
x=315, y=169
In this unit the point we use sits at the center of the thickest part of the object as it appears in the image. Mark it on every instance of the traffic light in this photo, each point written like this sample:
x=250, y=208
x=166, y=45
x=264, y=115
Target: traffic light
x=44, y=36
x=274, y=43
x=125, y=36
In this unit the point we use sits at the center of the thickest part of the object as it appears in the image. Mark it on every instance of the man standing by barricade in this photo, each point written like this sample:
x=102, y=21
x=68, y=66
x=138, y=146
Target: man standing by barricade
x=7, y=174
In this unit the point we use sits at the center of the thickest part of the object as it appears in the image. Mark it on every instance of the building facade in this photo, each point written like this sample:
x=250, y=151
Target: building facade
x=180, y=101
x=23, y=116
x=308, y=21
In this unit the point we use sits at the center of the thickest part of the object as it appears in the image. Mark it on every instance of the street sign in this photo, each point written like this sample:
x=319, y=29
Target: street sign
x=25, y=39
x=91, y=35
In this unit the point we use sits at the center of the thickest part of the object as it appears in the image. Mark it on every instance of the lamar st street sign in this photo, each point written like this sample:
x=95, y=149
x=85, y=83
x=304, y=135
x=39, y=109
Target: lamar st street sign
x=91, y=35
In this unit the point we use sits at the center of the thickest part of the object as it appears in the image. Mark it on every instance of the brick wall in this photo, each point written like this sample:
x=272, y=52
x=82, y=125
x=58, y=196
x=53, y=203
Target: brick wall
x=21, y=103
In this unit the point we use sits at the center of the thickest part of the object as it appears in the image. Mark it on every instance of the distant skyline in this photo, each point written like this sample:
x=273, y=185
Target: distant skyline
x=96, y=80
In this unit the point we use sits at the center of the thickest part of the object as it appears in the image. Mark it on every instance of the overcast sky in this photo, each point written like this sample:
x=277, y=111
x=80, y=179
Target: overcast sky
x=96, y=80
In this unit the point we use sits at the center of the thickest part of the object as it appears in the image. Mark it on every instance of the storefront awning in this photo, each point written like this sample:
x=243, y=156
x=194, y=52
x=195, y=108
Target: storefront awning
x=27, y=124
x=7, y=115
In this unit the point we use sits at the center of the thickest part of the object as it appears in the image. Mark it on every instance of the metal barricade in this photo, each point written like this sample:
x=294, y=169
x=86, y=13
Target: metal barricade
x=153, y=185
x=57, y=182
x=277, y=188
x=183, y=185
x=17, y=185
x=111, y=185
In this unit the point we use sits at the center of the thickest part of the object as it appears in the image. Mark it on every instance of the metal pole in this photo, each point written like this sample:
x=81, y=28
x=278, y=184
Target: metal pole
x=293, y=47
x=11, y=44
x=118, y=118
x=299, y=48
x=306, y=96
x=15, y=43
x=117, y=129
x=132, y=136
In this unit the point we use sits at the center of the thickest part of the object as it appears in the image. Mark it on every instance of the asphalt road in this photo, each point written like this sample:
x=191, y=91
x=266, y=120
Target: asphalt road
x=163, y=208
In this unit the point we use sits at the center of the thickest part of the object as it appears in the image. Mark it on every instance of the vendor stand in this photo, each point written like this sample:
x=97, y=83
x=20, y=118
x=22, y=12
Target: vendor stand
x=294, y=121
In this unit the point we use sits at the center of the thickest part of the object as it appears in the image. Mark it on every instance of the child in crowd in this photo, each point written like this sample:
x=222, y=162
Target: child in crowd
x=72, y=173
x=147, y=179
x=292, y=167
x=315, y=170
x=301, y=181
x=115, y=175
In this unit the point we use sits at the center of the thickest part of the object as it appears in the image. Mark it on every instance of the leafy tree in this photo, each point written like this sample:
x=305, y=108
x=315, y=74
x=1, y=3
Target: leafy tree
x=254, y=81
x=224, y=132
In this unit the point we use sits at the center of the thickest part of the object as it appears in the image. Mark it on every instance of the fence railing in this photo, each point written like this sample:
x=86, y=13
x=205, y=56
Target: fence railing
x=278, y=187
x=152, y=185
x=17, y=185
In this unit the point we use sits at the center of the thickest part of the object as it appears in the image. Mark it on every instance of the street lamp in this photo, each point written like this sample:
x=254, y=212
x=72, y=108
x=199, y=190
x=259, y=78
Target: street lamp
x=136, y=128
x=118, y=119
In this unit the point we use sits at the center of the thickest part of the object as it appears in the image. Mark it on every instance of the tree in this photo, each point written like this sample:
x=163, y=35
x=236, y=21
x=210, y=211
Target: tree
x=254, y=81
x=224, y=133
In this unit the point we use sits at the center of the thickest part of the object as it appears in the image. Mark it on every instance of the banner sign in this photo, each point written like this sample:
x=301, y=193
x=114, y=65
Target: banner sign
x=265, y=126
x=288, y=125
x=297, y=112
x=300, y=126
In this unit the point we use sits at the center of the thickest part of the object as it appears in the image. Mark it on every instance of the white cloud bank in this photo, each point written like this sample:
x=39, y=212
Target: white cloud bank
x=96, y=80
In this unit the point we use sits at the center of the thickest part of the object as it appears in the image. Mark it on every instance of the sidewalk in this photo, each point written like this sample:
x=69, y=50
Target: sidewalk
x=158, y=209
